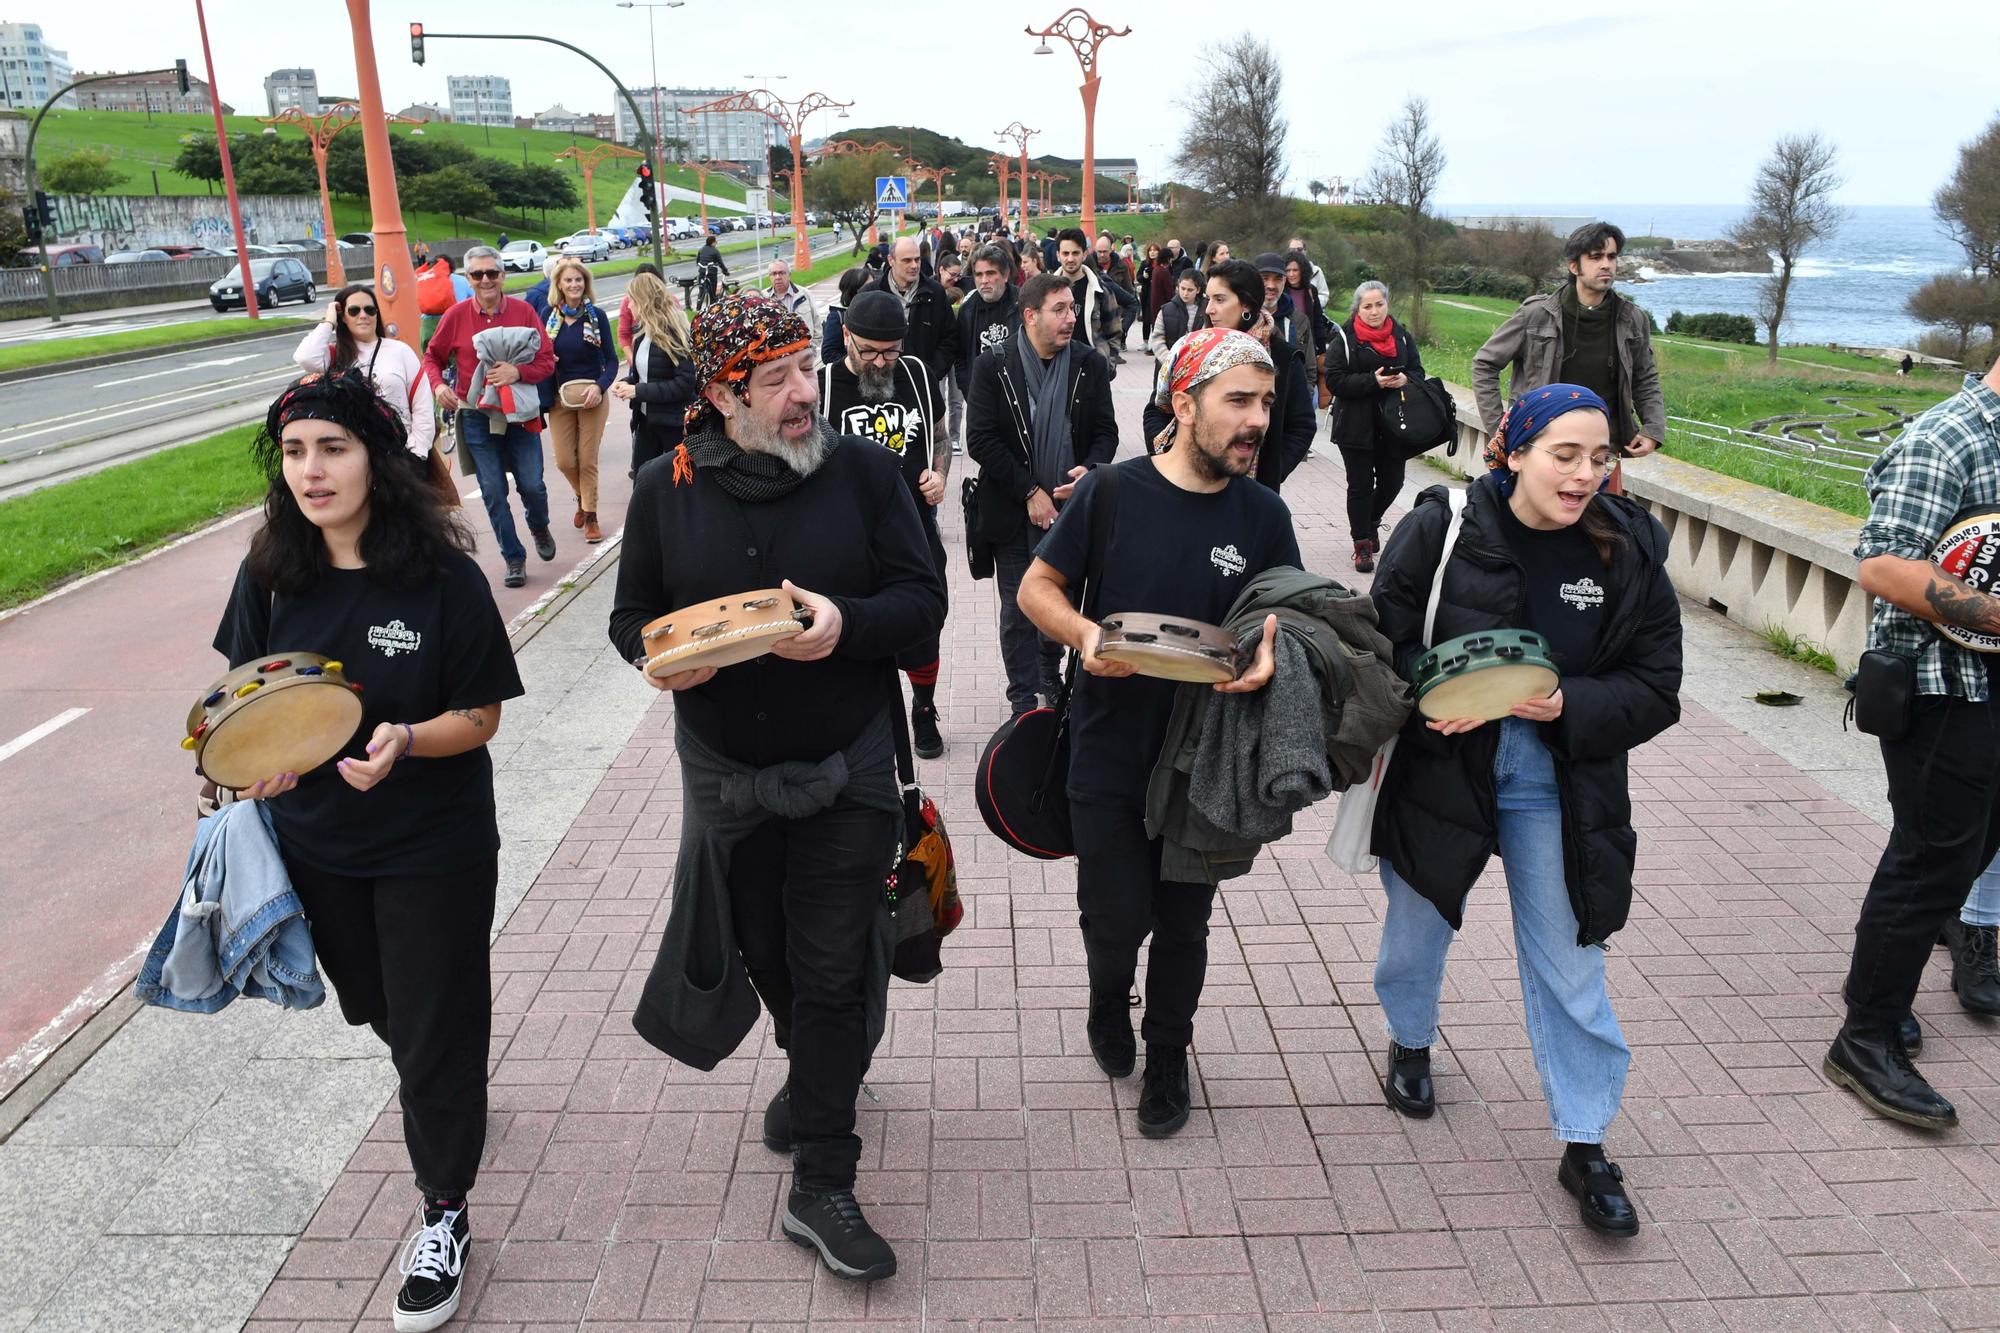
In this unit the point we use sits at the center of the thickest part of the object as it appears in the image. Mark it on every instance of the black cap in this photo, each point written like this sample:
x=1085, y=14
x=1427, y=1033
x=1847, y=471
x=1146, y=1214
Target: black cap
x=877, y=316
x=1269, y=262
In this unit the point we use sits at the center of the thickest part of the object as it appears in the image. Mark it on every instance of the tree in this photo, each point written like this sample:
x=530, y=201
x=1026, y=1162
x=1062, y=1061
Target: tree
x=547, y=187
x=1791, y=210
x=1533, y=251
x=1407, y=169
x=1968, y=205
x=1234, y=146
x=13, y=230
x=1316, y=188
x=347, y=166
x=453, y=190
x=82, y=171
x=1959, y=303
x=199, y=159
x=845, y=187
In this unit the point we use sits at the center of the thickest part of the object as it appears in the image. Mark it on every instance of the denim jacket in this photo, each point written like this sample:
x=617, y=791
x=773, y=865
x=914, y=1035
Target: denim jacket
x=238, y=928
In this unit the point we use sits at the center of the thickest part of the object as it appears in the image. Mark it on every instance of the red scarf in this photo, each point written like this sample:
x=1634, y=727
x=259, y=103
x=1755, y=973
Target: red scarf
x=1381, y=338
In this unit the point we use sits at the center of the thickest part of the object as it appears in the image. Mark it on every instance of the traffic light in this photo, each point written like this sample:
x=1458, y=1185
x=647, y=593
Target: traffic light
x=46, y=207
x=651, y=195
x=417, y=43
x=32, y=220
x=181, y=76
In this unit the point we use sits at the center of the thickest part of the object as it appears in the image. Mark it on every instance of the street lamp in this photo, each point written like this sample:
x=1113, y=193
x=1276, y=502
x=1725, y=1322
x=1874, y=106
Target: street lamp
x=790, y=117
x=1084, y=35
x=1020, y=134
x=649, y=6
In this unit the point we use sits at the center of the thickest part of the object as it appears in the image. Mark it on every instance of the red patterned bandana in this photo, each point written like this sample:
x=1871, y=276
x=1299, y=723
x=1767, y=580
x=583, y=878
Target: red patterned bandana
x=1204, y=354
x=732, y=337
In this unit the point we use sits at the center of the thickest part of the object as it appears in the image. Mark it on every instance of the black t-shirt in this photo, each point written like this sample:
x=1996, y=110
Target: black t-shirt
x=1172, y=552
x=416, y=653
x=1564, y=587
x=902, y=425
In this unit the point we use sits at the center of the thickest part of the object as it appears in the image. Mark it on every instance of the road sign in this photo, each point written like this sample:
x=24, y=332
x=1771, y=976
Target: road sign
x=892, y=192
x=756, y=201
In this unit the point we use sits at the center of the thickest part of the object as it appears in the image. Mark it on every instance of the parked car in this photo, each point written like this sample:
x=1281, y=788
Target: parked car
x=189, y=251
x=524, y=256
x=682, y=229
x=277, y=280
x=63, y=256
x=358, y=237
x=138, y=257
x=266, y=251
x=587, y=246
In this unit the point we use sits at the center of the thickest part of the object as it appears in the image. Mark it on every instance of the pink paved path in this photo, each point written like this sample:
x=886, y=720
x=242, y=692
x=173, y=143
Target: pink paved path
x=622, y=1191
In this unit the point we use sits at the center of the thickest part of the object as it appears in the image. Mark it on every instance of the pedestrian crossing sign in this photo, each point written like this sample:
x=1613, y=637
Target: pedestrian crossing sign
x=892, y=192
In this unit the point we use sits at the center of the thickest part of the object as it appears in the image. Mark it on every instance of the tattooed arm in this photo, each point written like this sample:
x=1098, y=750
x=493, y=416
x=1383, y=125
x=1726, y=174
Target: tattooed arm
x=455, y=731
x=1929, y=593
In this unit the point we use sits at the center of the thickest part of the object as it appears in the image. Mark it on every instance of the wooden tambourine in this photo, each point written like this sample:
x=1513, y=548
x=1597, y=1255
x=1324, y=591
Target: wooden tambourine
x=721, y=632
x=1484, y=675
x=1970, y=551
x=286, y=713
x=1171, y=647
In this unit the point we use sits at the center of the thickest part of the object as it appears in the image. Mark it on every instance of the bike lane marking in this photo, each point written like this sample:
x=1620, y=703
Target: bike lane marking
x=27, y=738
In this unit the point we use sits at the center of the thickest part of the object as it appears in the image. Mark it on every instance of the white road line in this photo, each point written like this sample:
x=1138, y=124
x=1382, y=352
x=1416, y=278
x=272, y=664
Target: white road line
x=193, y=365
x=27, y=738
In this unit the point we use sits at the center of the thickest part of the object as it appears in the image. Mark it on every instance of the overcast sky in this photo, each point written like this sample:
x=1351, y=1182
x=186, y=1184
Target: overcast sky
x=1673, y=104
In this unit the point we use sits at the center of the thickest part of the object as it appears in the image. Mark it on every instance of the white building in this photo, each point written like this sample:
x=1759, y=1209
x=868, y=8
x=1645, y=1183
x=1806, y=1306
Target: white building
x=481, y=99
x=31, y=69
x=729, y=136
x=559, y=119
x=291, y=87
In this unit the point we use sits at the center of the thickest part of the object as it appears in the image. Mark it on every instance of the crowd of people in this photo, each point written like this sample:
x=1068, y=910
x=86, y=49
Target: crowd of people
x=776, y=449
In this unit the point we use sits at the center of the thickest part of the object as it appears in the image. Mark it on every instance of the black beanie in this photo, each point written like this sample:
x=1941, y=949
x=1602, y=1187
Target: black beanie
x=876, y=315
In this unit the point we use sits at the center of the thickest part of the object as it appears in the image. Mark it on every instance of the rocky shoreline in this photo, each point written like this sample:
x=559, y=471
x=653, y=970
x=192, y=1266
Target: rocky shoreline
x=1684, y=258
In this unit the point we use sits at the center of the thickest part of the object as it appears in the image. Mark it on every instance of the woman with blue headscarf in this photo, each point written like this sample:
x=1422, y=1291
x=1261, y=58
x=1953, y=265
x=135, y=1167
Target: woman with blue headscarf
x=1541, y=548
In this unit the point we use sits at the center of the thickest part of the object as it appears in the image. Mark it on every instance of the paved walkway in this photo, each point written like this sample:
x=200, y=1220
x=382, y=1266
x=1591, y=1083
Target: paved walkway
x=623, y=1191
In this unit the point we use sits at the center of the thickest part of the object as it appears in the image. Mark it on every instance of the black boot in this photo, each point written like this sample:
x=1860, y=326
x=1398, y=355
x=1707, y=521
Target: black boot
x=1409, y=1081
x=1110, y=1031
x=778, y=1120
x=830, y=1221
x=1878, y=1069
x=1975, y=974
x=1912, y=1033
x=1599, y=1187
x=928, y=741
x=1164, y=1099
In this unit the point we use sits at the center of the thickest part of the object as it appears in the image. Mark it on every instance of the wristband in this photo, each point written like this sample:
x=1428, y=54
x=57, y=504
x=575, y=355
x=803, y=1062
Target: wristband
x=409, y=742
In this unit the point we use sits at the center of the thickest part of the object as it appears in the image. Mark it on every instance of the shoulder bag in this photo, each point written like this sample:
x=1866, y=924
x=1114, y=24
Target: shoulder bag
x=922, y=890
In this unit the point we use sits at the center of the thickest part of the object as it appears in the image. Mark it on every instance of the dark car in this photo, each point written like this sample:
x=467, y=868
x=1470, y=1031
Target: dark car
x=276, y=279
x=358, y=237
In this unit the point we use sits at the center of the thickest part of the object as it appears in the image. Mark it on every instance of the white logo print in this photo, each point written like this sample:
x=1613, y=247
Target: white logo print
x=1583, y=594
x=1226, y=559
x=394, y=637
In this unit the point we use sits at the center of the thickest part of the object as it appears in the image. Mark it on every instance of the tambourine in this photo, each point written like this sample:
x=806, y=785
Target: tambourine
x=1968, y=551
x=1171, y=647
x=1484, y=675
x=286, y=713
x=573, y=392
x=721, y=632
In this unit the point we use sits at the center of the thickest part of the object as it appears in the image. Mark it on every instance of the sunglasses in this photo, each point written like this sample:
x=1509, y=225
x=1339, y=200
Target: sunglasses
x=358, y=310
x=483, y=274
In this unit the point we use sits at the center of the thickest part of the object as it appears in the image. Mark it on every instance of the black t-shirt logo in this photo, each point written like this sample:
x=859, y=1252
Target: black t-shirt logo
x=888, y=424
x=394, y=637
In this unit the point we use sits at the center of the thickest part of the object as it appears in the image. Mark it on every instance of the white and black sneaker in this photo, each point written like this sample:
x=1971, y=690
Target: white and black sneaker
x=431, y=1265
x=831, y=1222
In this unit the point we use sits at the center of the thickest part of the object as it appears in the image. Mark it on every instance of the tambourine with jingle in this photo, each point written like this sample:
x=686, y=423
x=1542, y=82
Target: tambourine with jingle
x=1171, y=647
x=1484, y=675
x=1970, y=552
x=722, y=631
x=285, y=713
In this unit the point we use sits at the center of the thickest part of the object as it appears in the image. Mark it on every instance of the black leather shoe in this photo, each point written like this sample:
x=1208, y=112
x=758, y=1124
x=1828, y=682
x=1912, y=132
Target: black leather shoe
x=1409, y=1081
x=1879, y=1071
x=1599, y=1187
x=1110, y=1031
x=1912, y=1033
x=778, y=1120
x=928, y=742
x=1975, y=973
x=1164, y=1100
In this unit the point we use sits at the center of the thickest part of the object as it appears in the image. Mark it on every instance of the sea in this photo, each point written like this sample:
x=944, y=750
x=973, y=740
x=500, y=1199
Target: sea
x=1848, y=290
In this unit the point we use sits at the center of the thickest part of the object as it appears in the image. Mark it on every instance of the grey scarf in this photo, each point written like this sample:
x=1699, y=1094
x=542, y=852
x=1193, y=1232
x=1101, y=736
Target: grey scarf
x=1051, y=451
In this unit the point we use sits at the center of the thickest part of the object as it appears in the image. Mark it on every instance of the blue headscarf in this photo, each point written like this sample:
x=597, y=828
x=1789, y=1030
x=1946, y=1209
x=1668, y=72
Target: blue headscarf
x=1527, y=417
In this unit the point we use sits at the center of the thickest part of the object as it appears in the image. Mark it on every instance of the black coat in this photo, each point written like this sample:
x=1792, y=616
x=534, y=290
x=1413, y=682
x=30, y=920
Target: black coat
x=1436, y=822
x=933, y=329
x=1350, y=377
x=1289, y=433
x=997, y=432
x=659, y=402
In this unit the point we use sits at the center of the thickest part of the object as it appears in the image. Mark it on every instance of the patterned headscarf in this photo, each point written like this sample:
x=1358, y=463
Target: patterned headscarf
x=1202, y=355
x=347, y=400
x=733, y=335
x=1527, y=417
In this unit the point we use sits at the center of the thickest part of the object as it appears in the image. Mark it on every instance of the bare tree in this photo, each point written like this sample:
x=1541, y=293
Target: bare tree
x=1791, y=210
x=1407, y=169
x=1234, y=147
x=1968, y=205
x=1533, y=251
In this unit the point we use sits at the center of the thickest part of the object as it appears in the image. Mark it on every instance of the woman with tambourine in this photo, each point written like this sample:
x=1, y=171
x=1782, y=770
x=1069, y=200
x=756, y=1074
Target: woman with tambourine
x=1537, y=548
x=393, y=847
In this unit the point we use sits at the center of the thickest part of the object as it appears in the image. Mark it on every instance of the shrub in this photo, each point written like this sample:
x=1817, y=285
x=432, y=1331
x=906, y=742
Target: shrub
x=1715, y=326
x=1478, y=280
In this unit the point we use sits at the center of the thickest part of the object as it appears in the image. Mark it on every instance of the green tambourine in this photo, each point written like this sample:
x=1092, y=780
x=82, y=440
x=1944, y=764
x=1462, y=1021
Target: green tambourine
x=1484, y=675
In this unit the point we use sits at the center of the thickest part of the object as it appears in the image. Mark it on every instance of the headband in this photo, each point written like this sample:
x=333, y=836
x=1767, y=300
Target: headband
x=1527, y=417
x=347, y=400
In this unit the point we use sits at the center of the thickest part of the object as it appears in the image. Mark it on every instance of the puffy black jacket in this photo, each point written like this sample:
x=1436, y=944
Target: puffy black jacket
x=1436, y=821
x=932, y=336
x=1350, y=377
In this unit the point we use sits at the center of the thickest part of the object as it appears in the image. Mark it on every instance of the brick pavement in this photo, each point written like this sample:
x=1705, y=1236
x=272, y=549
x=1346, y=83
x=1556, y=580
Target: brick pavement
x=622, y=1191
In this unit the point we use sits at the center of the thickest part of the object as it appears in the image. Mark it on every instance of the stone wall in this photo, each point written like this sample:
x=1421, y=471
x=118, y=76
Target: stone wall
x=138, y=221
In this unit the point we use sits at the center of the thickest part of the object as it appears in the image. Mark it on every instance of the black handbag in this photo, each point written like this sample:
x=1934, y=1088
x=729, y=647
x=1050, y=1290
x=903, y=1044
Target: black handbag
x=978, y=551
x=1022, y=783
x=1416, y=418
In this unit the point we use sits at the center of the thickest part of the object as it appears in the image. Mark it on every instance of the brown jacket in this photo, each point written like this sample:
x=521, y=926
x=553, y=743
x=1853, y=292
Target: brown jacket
x=1531, y=342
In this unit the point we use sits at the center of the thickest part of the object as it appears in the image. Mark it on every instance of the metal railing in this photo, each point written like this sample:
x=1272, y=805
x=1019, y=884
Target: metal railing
x=1829, y=459
x=25, y=284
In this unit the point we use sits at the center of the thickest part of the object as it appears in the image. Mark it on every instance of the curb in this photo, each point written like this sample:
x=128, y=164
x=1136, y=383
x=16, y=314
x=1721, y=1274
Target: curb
x=140, y=353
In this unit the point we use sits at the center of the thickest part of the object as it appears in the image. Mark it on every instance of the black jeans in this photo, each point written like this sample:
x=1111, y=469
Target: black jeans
x=408, y=956
x=1033, y=661
x=1120, y=897
x=1944, y=790
x=805, y=895
x=1374, y=479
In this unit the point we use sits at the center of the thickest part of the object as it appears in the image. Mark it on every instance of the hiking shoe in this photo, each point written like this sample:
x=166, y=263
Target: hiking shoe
x=1975, y=973
x=517, y=573
x=592, y=533
x=545, y=543
x=1110, y=1031
x=1164, y=1100
x=431, y=1265
x=924, y=724
x=778, y=1120
x=1364, y=557
x=830, y=1221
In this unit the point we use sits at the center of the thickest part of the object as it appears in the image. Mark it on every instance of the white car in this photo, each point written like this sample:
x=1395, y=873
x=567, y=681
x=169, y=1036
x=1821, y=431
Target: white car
x=682, y=229
x=587, y=246
x=524, y=256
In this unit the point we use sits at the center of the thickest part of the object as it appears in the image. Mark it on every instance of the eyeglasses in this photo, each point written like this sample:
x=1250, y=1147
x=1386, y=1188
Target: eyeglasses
x=1567, y=461
x=877, y=356
x=483, y=274
x=359, y=310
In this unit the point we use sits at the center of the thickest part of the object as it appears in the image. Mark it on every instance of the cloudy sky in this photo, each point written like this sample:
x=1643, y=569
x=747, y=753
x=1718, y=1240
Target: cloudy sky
x=1672, y=104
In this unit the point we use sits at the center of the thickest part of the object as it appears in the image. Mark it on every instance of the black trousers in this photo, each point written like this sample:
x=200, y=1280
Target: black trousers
x=1944, y=790
x=1374, y=479
x=408, y=956
x=1034, y=662
x=1120, y=897
x=805, y=895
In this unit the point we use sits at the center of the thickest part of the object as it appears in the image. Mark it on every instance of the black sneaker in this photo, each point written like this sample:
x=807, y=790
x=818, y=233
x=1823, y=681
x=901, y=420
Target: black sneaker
x=778, y=1120
x=831, y=1222
x=517, y=573
x=924, y=724
x=1164, y=1099
x=545, y=543
x=431, y=1265
x=1110, y=1031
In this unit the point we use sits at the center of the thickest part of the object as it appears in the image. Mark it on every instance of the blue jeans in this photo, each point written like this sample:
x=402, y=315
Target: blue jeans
x=1982, y=906
x=1580, y=1054
x=518, y=451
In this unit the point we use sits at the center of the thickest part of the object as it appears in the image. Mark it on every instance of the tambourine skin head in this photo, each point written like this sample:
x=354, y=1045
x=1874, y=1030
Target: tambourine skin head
x=1484, y=675
x=1172, y=648
x=283, y=713
x=720, y=632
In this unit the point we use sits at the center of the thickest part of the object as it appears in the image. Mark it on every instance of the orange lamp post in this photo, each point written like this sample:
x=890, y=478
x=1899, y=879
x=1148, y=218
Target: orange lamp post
x=851, y=147
x=1019, y=133
x=228, y=174
x=791, y=118
x=321, y=130
x=1048, y=180
x=590, y=159
x=934, y=175
x=395, y=276
x=1084, y=35
x=999, y=165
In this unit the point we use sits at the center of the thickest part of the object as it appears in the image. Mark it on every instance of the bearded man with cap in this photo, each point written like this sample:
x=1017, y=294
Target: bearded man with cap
x=878, y=393
x=1187, y=532
x=790, y=805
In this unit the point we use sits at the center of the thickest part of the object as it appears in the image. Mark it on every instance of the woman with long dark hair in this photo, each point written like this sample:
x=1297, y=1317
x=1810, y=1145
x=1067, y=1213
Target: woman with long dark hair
x=349, y=339
x=393, y=848
x=661, y=381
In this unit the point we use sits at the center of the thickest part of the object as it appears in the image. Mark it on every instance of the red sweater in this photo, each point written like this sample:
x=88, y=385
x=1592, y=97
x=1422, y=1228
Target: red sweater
x=453, y=343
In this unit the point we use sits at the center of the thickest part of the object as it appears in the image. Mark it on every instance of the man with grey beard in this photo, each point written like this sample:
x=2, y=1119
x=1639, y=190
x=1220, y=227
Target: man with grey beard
x=880, y=394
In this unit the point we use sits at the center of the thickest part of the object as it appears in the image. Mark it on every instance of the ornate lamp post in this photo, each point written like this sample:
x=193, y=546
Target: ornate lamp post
x=999, y=164
x=321, y=130
x=791, y=118
x=1019, y=133
x=590, y=160
x=1048, y=180
x=1084, y=34
x=919, y=172
x=850, y=147
x=395, y=276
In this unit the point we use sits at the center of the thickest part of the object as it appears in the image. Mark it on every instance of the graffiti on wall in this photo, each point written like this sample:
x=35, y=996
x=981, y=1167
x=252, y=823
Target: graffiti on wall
x=92, y=212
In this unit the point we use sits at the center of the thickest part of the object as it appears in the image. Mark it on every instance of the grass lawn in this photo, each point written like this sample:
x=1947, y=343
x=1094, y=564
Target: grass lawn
x=51, y=536
x=55, y=351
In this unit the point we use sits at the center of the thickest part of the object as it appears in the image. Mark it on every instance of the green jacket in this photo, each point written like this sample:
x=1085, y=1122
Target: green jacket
x=1531, y=342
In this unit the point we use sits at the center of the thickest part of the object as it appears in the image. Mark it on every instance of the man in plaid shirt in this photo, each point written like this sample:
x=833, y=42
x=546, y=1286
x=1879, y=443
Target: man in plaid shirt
x=1944, y=773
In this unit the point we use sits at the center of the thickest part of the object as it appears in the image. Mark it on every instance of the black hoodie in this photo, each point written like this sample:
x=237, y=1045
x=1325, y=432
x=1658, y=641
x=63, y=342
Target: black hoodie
x=984, y=324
